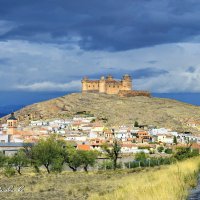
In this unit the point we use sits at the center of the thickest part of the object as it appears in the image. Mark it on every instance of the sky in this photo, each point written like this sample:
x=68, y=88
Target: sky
x=49, y=45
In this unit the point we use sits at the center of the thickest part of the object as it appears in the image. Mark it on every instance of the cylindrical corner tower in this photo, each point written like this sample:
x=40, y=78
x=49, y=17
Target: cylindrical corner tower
x=84, y=84
x=126, y=82
x=102, y=85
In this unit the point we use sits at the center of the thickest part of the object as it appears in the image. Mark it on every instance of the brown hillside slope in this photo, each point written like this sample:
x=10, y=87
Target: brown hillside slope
x=117, y=110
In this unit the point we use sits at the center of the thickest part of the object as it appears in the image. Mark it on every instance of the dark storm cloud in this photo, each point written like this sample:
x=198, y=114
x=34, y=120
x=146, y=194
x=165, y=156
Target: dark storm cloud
x=113, y=25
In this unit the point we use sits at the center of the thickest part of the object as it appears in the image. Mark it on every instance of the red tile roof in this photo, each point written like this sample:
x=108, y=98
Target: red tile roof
x=84, y=147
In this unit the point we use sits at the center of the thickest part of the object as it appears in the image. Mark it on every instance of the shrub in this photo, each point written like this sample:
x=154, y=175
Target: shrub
x=108, y=164
x=9, y=171
x=140, y=156
x=144, y=147
x=160, y=149
x=185, y=152
x=133, y=164
x=136, y=124
x=168, y=151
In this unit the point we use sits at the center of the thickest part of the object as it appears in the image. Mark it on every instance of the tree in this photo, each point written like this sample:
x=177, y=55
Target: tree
x=175, y=140
x=29, y=153
x=73, y=158
x=48, y=152
x=136, y=124
x=19, y=160
x=160, y=149
x=113, y=152
x=88, y=158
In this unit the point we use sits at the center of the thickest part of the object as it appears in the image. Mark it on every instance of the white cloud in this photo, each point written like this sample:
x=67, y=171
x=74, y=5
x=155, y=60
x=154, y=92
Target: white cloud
x=51, y=86
x=33, y=66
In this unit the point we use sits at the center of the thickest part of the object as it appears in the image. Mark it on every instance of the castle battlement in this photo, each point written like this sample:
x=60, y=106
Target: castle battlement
x=109, y=85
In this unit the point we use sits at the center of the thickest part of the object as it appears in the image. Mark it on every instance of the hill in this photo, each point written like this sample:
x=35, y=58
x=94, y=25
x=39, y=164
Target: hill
x=115, y=110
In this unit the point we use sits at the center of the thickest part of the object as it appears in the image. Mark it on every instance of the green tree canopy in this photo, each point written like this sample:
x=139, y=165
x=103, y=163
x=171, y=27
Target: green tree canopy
x=113, y=151
x=48, y=152
x=73, y=158
x=88, y=158
x=19, y=160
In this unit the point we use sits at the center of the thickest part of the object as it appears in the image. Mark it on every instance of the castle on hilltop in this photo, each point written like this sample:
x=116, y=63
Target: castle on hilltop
x=110, y=86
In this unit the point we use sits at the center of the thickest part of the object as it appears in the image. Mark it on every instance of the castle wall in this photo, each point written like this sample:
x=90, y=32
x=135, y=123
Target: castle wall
x=91, y=86
x=133, y=93
x=113, y=88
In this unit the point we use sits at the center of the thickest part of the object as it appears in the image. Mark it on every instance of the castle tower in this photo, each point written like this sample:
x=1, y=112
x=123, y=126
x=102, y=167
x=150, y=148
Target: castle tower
x=102, y=85
x=12, y=124
x=126, y=82
x=109, y=78
x=84, y=84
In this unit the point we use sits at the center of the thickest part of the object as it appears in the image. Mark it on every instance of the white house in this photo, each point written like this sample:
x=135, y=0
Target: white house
x=158, y=131
x=4, y=138
x=165, y=138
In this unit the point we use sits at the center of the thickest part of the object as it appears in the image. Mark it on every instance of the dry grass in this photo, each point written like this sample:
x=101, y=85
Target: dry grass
x=167, y=112
x=169, y=183
x=165, y=183
x=64, y=186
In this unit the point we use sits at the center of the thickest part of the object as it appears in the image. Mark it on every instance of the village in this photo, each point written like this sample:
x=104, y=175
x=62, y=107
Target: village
x=87, y=133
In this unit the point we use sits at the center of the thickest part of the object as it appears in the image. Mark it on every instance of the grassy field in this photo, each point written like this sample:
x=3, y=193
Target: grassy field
x=169, y=183
x=165, y=183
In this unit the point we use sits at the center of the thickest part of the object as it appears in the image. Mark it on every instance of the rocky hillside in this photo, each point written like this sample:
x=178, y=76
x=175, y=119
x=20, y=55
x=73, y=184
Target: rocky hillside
x=114, y=110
